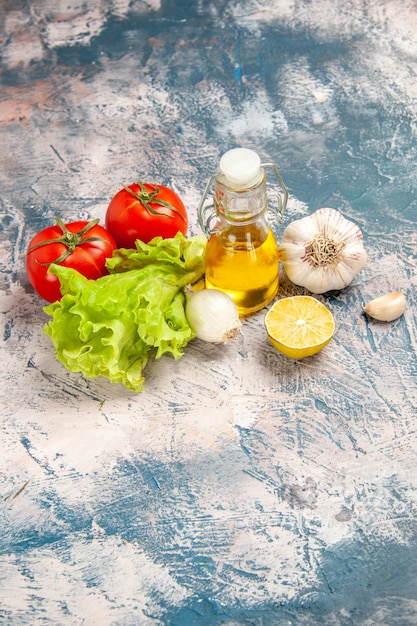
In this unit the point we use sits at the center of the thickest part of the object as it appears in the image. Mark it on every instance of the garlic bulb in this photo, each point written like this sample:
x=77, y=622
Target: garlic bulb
x=322, y=251
x=212, y=315
x=388, y=307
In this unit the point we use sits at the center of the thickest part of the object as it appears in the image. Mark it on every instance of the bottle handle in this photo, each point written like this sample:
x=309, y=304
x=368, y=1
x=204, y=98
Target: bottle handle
x=281, y=200
x=205, y=219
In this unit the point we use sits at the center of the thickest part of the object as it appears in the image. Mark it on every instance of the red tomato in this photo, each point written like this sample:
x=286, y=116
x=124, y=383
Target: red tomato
x=84, y=246
x=144, y=211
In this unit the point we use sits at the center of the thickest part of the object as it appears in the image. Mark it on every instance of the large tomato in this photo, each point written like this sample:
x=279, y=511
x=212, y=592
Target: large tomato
x=144, y=211
x=84, y=246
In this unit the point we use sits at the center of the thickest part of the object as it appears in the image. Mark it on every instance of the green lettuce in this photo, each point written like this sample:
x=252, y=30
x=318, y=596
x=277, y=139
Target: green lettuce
x=111, y=326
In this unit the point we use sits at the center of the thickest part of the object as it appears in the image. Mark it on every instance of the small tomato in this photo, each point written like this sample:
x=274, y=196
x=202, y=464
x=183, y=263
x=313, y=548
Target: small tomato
x=144, y=211
x=83, y=246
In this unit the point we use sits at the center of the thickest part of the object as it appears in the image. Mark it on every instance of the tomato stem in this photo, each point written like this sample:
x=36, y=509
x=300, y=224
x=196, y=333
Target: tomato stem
x=145, y=197
x=68, y=239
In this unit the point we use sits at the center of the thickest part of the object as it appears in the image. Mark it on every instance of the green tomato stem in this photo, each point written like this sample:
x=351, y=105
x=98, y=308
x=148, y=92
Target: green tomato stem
x=68, y=239
x=145, y=197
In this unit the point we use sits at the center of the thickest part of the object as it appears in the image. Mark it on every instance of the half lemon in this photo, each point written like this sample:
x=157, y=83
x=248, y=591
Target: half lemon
x=299, y=326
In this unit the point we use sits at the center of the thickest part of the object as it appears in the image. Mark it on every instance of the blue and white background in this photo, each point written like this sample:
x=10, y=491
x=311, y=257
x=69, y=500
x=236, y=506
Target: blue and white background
x=240, y=488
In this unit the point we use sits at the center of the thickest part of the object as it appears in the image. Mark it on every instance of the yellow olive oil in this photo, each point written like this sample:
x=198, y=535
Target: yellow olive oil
x=244, y=264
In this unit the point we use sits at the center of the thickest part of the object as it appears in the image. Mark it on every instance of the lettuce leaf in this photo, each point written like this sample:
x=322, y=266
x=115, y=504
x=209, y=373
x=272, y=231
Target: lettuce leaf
x=111, y=326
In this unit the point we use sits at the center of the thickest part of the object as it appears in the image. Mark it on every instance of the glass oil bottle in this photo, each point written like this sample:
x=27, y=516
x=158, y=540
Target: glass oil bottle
x=242, y=252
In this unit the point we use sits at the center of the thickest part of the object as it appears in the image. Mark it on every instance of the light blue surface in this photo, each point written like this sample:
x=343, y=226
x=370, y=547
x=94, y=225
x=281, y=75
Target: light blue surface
x=240, y=487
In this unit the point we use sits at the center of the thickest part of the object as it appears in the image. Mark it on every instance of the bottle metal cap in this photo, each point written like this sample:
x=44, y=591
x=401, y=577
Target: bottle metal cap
x=241, y=168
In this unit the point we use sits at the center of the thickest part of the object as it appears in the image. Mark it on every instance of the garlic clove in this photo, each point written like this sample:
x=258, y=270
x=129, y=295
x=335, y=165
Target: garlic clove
x=388, y=307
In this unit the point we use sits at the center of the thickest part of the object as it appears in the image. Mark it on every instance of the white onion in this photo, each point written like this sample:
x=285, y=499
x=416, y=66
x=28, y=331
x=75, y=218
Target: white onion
x=212, y=315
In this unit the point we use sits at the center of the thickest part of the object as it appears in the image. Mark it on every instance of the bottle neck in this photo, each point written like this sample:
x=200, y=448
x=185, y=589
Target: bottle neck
x=240, y=205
